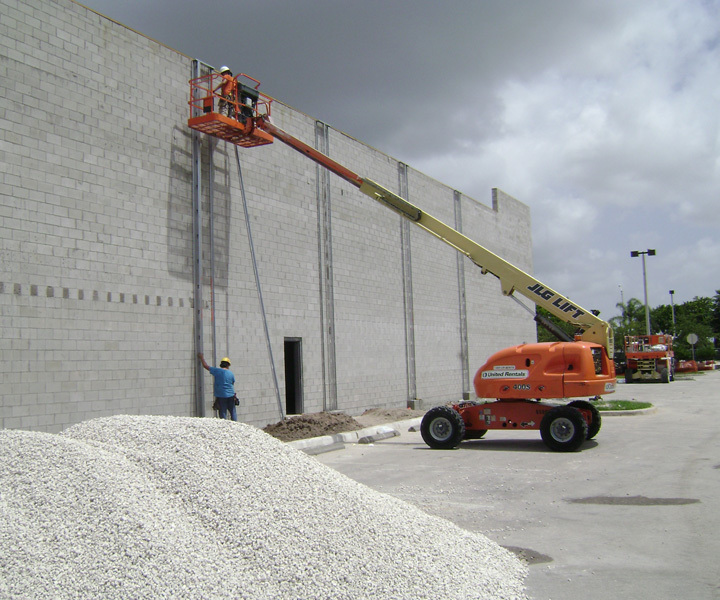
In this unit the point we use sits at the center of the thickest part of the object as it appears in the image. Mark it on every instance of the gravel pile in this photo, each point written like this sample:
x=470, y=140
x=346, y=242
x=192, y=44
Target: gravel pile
x=169, y=507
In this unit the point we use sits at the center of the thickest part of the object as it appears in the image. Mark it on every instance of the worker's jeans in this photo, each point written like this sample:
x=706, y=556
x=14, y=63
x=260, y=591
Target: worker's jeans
x=225, y=405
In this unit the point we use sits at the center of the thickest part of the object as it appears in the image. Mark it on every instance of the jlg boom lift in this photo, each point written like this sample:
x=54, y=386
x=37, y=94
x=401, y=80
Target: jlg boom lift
x=514, y=381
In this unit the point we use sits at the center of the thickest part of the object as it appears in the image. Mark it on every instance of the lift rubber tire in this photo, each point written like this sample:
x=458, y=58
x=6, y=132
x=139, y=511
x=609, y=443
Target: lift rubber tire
x=442, y=428
x=664, y=375
x=628, y=376
x=563, y=429
x=596, y=423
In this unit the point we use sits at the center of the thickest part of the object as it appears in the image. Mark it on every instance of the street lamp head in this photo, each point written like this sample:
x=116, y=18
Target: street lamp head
x=634, y=254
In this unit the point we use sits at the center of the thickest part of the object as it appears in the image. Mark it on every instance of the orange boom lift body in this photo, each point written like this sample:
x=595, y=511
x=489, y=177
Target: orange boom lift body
x=513, y=381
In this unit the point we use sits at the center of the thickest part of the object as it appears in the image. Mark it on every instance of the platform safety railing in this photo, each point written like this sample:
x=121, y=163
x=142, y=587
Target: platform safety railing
x=247, y=101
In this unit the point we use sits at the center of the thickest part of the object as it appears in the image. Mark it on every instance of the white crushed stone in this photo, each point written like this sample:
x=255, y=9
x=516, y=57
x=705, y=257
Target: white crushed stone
x=186, y=508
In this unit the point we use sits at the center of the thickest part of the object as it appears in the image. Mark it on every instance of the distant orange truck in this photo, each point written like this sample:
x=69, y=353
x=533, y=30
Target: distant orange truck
x=650, y=358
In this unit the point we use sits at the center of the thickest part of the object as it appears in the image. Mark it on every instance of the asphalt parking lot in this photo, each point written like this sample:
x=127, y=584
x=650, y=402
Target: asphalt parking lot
x=635, y=514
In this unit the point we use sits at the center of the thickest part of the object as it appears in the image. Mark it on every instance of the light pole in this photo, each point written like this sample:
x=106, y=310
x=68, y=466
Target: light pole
x=672, y=305
x=633, y=254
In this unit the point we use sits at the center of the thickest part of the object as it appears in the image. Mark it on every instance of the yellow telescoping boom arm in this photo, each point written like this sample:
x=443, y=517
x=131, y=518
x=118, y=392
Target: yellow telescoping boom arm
x=512, y=279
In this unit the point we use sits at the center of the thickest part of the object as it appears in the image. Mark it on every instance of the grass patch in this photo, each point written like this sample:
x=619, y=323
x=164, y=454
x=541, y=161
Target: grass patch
x=602, y=405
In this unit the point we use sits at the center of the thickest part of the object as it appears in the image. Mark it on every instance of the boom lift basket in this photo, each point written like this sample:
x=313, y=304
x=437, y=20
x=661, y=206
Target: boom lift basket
x=243, y=108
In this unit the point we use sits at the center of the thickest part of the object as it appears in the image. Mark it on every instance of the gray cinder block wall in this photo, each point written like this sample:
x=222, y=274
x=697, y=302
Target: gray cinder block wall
x=96, y=279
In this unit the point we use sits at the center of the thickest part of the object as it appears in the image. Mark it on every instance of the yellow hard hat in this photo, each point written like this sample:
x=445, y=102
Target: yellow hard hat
x=227, y=360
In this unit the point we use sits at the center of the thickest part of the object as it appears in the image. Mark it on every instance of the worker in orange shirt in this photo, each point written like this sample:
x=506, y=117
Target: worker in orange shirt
x=227, y=89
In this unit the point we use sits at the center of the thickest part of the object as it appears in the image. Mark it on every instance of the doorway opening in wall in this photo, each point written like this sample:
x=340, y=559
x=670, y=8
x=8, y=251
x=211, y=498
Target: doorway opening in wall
x=293, y=376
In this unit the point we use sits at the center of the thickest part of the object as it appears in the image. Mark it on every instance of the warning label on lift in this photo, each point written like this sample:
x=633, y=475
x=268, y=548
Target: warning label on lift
x=505, y=372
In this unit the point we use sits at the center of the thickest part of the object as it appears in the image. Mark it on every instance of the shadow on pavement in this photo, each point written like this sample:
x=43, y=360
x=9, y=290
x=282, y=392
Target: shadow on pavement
x=507, y=445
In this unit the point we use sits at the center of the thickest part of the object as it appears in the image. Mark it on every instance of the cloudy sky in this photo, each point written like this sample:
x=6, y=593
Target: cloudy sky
x=601, y=115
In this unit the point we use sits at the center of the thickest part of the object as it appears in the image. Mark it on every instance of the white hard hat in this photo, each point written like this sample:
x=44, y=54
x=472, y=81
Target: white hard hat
x=224, y=68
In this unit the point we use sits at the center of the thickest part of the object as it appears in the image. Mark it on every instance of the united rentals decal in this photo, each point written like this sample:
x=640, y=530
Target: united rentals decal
x=505, y=372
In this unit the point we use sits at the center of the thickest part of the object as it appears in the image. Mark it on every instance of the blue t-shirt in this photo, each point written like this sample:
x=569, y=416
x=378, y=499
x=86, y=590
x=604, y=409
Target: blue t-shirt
x=223, y=386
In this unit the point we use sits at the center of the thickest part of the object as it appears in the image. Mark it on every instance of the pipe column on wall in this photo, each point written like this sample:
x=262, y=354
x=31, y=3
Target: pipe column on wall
x=462, y=302
x=407, y=290
x=325, y=268
x=197, y=259
x=211, y=191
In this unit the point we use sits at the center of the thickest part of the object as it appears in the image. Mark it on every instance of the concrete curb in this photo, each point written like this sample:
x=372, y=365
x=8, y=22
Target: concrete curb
x=313, y=450
x=367, y=435
x=383, y=433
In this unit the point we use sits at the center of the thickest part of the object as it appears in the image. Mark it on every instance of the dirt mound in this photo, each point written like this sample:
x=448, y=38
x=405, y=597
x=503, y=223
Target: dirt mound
x=312, y=425
x=378, y=416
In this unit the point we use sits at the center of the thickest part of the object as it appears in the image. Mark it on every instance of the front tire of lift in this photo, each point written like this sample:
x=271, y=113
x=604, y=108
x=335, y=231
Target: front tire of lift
x=563, y=429
x=442, y=428
x=664, y=375
x=596, y=423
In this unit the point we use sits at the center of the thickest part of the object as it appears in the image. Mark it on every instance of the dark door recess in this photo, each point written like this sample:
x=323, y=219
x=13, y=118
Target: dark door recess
x=293, y=376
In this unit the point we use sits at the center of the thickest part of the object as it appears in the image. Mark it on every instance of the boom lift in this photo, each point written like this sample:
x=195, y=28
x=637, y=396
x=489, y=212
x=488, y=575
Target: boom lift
x=515, y=379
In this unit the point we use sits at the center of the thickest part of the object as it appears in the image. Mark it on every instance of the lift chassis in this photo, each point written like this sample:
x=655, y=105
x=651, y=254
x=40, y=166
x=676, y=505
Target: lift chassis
x=562, y=427
x=516, y=378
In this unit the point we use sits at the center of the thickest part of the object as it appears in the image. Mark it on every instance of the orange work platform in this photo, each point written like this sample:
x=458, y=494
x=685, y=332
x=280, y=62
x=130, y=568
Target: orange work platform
x=227, y=108
x=230, y=130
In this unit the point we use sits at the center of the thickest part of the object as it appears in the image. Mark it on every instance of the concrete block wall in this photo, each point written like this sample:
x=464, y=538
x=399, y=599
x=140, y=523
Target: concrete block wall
x=494, y=321
x=96, y=261
x=368, y=283
x=94, y=222
x=280, y=192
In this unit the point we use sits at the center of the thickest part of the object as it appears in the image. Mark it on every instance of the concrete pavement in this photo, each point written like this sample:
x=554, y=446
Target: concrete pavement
x=633, y=515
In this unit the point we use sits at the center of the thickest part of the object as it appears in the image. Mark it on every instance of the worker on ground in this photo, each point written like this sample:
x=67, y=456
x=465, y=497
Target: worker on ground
x=227, y=89
x=223, y=387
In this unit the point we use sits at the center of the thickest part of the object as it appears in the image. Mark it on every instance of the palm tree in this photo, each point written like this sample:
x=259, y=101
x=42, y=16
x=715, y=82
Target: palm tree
x=631, y=320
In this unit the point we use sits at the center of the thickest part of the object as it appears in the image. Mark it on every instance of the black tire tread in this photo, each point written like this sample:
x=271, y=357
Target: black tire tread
x=573, y=415
x=456, y=422
x=594, y=426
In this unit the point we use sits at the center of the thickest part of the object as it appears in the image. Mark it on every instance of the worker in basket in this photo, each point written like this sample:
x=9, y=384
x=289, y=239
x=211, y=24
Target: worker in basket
x=228, y=92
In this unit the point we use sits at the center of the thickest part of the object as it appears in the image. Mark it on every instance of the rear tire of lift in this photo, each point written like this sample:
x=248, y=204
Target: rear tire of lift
x=596, y=423
x=442, y=428
x=563, y=429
